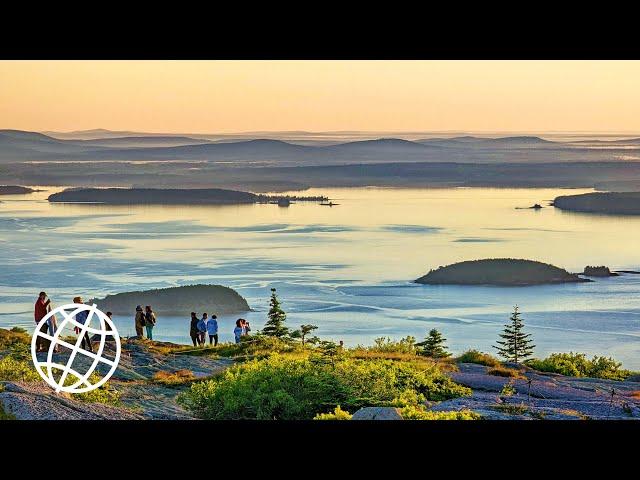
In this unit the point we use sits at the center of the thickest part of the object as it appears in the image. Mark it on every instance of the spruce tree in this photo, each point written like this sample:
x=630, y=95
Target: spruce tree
x=303, y=332
x=516, y=345
x=433, y=345
x=274, y=327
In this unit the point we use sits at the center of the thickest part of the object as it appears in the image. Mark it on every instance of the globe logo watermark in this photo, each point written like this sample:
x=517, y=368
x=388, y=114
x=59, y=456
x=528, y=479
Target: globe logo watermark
x=65, y=378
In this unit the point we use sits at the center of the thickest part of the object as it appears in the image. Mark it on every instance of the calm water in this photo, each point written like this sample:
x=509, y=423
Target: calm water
x=347, y=269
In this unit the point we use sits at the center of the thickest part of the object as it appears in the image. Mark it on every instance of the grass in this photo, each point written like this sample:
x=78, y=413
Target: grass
x=16, y=335
x=474, y=356
x=176, y=378
x=4, y=415
x=635, y=395
x=512, y=408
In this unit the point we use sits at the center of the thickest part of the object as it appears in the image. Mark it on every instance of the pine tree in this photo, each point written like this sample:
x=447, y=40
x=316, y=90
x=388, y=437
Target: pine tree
x=433, y=345
x=516, y=345
x=274, y=327
x=303, y=332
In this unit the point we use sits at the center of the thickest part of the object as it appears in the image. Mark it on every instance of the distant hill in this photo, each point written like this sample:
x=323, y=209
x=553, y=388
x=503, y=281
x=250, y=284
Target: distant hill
x=213, y=299
x=482, y=142
x=498, y=271
x=124, y=196
x=620, y=203
x=152, y=141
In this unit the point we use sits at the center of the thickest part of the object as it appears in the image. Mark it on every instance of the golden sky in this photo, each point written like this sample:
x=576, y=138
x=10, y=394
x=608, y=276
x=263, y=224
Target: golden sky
x=236, y=96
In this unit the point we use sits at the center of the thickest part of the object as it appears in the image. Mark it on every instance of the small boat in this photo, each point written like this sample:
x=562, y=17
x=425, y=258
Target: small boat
x=329, y=204
x=284, y=202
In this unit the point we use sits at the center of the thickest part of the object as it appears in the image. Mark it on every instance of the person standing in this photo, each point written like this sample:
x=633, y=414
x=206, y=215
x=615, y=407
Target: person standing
x=194, y=333
x=212, y=330
x=40, y=311
x=239, y=330
x=81, y=318
x=202, y=330
x=139, y=321
x=149, y=321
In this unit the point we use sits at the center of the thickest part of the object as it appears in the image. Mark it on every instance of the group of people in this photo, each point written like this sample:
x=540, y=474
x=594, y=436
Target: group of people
x=43, y=307
x=145, y=320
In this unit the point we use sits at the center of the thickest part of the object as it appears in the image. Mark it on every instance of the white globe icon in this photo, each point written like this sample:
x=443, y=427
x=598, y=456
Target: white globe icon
x=47, y=368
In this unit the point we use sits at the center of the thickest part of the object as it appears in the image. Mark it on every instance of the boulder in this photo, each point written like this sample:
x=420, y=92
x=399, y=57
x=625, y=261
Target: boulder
x=377, y=413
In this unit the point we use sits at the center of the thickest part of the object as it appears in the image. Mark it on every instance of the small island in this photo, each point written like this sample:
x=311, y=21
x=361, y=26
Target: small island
x=215, y=299
x=15, y=190
x=600, y=271
x=499, y=271
x=171, y=196
x=616, y=203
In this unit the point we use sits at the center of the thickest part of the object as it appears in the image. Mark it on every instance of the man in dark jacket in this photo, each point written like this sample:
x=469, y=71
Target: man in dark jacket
x=194, y=333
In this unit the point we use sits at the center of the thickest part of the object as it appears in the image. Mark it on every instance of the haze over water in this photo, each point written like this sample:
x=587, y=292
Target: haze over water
x=347, y=268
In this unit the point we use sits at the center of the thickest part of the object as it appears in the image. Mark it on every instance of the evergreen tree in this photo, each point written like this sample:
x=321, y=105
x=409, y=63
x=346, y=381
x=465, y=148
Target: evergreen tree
x=303, y=332
x=274, y=327
x=433, y=345
x=516, y=345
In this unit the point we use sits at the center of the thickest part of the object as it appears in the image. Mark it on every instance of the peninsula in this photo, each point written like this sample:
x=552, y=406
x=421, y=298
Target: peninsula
x=499, y=271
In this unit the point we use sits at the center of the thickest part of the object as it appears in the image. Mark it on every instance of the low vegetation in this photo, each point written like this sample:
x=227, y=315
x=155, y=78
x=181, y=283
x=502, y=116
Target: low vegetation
x=284, y=388
x=501, y=371
x=578, y=365
x=337, y=414
x=419, y=412
x=475, y=356
x=178, y=377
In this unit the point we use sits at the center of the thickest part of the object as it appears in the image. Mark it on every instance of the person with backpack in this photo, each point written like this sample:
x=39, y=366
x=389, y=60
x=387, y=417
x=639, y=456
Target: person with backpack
x=202, y=330
x=139, y=321
x=212, y=330
x=149, y=321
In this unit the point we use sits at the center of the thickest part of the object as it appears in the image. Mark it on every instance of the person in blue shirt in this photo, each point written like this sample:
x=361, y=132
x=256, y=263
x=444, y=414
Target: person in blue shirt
x=202, y=330
x=81, y=318
x=239, y=331
x=212, y=330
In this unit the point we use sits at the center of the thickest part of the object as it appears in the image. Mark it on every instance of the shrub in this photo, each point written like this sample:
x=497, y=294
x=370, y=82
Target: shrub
x=17, y=370
x=578, y=365
x=173, y=378
x=16, y=335
x=419, y=412
x=338, y=414
x=501, y=371
x=385, y=344
x=474, y=356
x=296, y=389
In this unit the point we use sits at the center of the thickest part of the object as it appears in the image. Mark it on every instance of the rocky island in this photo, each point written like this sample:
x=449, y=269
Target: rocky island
x=499, y=271
x=169, y=196
x=177, y=300
x=600, y=271
x=616, y=203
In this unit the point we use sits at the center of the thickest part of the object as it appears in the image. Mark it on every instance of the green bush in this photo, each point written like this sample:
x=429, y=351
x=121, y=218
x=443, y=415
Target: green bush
x=17, y=370
x=474, y=356
x=103, y=394
x=419, y=412
x=16, y=335
x=338, y=414
x=295, y=389
x=385, y=344
x=578, y=365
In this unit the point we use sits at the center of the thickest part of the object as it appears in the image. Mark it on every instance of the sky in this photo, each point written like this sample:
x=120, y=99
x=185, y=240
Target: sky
x=244, y=96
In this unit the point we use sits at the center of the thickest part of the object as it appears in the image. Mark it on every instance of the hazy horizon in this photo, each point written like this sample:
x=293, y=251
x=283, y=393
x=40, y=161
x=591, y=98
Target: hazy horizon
x=229, y=97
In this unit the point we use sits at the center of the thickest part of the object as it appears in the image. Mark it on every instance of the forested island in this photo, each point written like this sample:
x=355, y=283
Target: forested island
x=170, y=196
x=15, y=190
x=621, y=203
x=499, y=271
x=177, y=300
